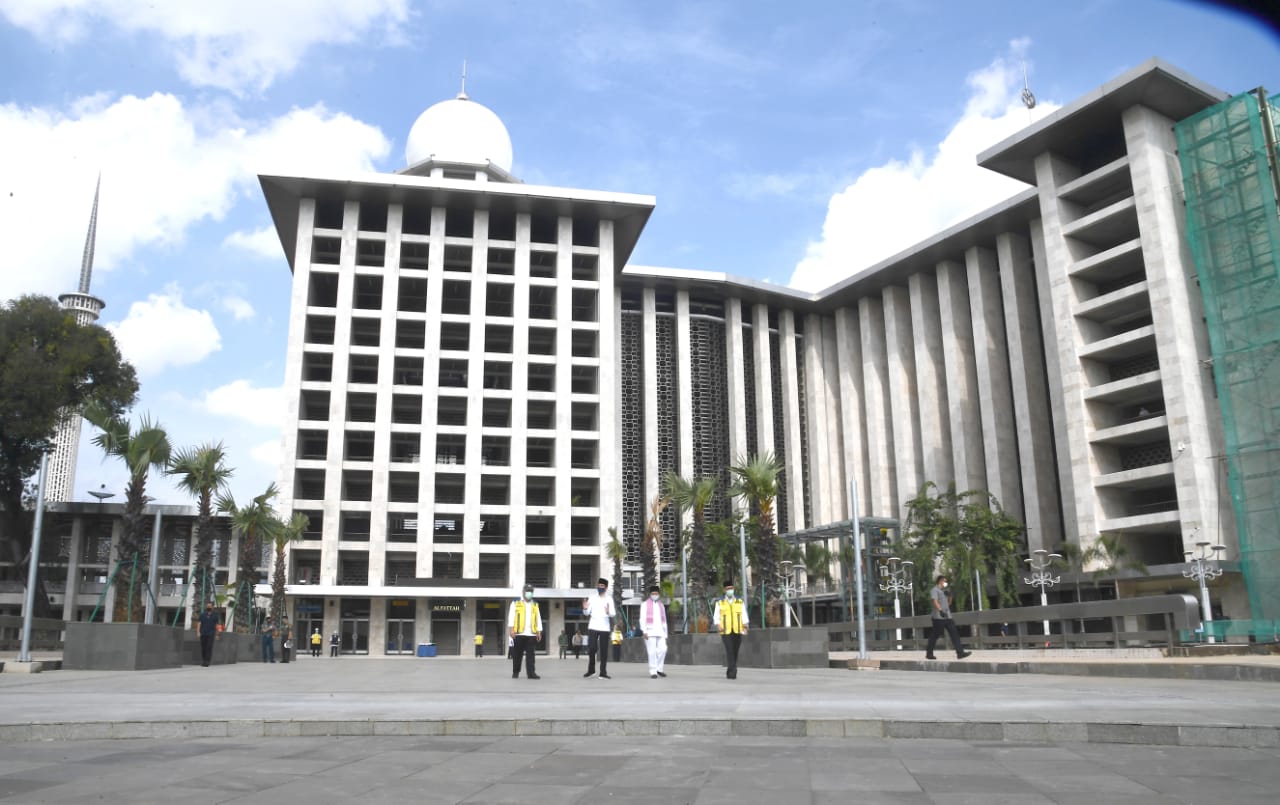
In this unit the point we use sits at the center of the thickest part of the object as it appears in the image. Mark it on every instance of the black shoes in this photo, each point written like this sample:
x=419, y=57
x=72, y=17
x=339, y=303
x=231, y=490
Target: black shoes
x=516, y=675
x=588, y=674
x=930, y=657
x=653, y=676
x=664, y=676
x=534, y=676
x=963, y=654
x=605, y=676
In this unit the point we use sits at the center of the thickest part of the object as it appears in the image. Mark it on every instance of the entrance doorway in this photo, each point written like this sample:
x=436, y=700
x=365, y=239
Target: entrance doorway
x=354, y=626
x=400, y=628
x=446, y=626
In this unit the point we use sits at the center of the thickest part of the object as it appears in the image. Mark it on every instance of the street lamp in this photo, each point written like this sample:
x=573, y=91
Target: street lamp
x=1040, y=560
x=788, y=587
x=896, y=575
x=1199, y=570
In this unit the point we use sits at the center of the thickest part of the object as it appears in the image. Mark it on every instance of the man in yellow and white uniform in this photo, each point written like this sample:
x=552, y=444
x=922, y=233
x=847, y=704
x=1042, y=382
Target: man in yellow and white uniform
x=524, y=625
x=731, y=621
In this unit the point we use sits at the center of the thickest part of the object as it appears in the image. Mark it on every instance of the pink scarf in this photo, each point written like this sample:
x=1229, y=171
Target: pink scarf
x=649, y=607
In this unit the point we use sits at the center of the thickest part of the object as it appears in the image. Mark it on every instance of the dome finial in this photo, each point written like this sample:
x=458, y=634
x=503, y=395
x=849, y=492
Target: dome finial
x=462, y=96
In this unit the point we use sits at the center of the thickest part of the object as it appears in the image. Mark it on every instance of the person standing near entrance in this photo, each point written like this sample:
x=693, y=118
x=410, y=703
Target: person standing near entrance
x=208, y=630
x=524, y=626
x=334, y=642
x=479, y=641
x=942, y=621
x=286, y=641
x=316, y=641
x=600, y=613
x=653, y=623
x=731, y=621
x=268, y=644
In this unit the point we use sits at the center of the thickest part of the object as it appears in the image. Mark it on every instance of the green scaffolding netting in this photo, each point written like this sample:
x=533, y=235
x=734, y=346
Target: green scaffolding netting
x=1234, y=235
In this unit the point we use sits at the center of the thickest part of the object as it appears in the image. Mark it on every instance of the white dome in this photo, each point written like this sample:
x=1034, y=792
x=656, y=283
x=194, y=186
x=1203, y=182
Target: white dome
x=459, y=130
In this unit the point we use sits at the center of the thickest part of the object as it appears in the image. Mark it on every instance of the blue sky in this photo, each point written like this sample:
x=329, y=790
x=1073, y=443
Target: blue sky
x=788, y=142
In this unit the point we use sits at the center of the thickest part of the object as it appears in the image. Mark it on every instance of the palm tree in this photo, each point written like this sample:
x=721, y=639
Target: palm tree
x=652, y=542
x=616, y=550
x=757, y=481
x=282, y=536
x=203, y=473
x=1110, y=555
x=817, y=560
x=140, y=450
x=256, y=522
x=695, y=496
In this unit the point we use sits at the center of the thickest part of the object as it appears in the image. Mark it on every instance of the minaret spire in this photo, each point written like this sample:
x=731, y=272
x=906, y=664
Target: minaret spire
x=90, y=241
x=462, y=96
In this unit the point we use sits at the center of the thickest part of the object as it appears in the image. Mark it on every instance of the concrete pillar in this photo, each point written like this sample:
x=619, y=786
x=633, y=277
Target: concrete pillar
x=931, y=383
x=794, y=478
x=74, y=551
x=881, y=500
x=1177, y=311
x=1029, y=384
x=991, y=364
x=609, y=409
x=817, y=424
x=737, y=396
x=837, y=495
x=903, y=410
x=968, y=457
x=684, y=382
x=764, y=380
x=649, y=336
x=849, y=356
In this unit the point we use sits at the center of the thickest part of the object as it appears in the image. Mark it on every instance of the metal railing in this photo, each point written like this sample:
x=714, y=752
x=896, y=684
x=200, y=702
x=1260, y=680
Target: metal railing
x=1176, y=614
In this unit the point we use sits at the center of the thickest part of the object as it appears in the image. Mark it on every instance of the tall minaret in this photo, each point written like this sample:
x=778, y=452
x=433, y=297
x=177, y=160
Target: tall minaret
x=86, y=307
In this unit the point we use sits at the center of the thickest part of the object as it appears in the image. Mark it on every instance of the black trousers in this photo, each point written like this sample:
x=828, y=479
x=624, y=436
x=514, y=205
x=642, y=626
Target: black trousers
x=597, y=648
x=206, y=649
x=936, y=632
x=525, y=644
x=732, y=642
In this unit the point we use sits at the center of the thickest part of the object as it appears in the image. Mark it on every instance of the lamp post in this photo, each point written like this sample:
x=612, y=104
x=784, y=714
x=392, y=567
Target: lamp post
x=1201, y=571
x=788, y=587
x=1040, y=561
x=896, y=575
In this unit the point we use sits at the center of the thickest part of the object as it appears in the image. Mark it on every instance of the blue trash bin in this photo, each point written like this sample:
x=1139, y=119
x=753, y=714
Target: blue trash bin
x=426, y=649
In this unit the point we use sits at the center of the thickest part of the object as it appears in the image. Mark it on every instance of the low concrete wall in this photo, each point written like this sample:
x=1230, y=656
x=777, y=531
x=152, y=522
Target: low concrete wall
x=228, y=648
x=798, y=647
x=121, y=646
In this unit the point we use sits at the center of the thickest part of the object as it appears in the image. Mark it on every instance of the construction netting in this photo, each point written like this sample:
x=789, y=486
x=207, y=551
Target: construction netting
x=1228, y=158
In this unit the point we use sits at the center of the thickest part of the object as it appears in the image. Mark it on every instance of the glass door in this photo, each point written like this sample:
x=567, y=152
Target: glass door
x=400, y=637
x=355, y=636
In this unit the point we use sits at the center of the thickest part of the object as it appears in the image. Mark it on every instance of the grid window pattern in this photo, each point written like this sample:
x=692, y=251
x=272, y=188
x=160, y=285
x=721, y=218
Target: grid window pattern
x=709, y=396
x=664, y=369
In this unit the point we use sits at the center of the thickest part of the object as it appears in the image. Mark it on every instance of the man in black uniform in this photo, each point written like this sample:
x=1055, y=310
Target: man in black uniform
x=208, y=631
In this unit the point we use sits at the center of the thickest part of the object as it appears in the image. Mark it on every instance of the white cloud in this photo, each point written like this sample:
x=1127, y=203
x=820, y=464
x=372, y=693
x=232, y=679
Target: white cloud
x=237, y=307
x=231, y=44
x=262, y=242
x=161, y=331
x=240, y=400
x=164, y=167
x=893, y=206
x=268, y=453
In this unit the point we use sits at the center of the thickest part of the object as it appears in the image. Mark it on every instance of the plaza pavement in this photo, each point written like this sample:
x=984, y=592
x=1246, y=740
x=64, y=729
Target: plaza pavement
x=465, y=696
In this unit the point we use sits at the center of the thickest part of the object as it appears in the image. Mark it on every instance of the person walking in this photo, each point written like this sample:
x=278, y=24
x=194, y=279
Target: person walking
x=731, y=621
x=479, y=644
x=317, y=640
x=286, y=641
x=208, y=630
x=942, y=621
x=653, y=624
x=564, y=644
x=334, y=643
x=524, y=625
x=600, y=613
x=579, y=643
x=268, y=644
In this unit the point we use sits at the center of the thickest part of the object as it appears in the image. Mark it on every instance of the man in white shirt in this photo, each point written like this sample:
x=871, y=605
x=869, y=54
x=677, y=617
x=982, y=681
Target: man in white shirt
x=600, y=613
x=653, y=622
x=524, y=627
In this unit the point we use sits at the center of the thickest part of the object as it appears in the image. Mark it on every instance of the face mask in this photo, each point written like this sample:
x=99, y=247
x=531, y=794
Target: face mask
x=528, y=596
x=944, y=585
x=653, y=597
x=728, y=593
x=601, y=590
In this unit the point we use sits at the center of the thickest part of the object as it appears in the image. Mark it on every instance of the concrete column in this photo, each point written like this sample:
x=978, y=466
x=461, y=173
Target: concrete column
x=1177, y=311
x=854, y=445
x=968, y=458
x=609, y=409
x=837, y=495
x=931, y=384
x=431, y=374
x=794, y=478
x=1029, y=384
x=995, y=397
x=764, y=381
x=297, y=337
x=1080, y=512
x=880, y=500
x=684, y=382
x=72, y=594
x=817, y=425
x=734, y=360
x=903, y=410
x=564, y=384
x=649, y=336
x=472, y=467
